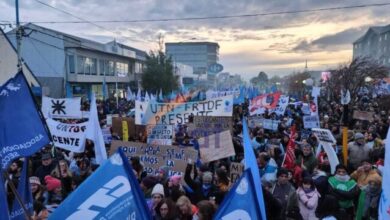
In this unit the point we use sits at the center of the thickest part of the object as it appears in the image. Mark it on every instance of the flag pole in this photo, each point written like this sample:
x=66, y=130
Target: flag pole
x=17, y=196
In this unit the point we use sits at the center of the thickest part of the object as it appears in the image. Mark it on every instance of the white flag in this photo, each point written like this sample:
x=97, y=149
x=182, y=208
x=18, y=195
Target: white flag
x=147, y=97
x=138, y=95
x=129, y=94
x=345, y=97
x=94, y=133
x=61, y=108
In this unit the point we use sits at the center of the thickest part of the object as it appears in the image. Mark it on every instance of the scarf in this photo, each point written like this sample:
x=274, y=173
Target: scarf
x=344, y=178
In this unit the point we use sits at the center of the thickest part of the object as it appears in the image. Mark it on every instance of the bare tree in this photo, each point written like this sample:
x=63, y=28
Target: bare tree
x=352, y=77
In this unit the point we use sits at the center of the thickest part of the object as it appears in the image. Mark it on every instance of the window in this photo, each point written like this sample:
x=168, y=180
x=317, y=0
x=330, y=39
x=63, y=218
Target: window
x=90, y=66
x=111, y=69
x=71, y=64
x=122, y=69
x=80, y=64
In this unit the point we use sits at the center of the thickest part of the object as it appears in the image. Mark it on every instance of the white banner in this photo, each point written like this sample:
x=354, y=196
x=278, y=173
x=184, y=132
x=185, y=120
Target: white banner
x=68, y=136
x=178, y=113
x=332, y=156
x=61, y=108
x=159, y=134
x=311, y=121
x=216, y=146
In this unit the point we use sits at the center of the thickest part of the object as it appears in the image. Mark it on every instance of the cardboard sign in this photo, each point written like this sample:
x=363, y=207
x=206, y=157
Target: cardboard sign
x=67, y=136
x=203, y=126
x=364, y=116
x=155, y=156
x=178, y=113
x=216, y=146
x=236, y=170
x=312, y=121
x=119, y=126
x=324, y=135
x=159, y=134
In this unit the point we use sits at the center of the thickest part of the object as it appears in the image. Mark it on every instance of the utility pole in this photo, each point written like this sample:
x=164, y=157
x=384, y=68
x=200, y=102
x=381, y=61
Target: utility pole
x=19, y=33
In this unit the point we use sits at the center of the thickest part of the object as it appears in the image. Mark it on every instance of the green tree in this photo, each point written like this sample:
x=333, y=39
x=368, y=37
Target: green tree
x=159, y=73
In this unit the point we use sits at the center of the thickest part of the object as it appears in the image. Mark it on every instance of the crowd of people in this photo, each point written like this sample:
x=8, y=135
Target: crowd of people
x=307, y=191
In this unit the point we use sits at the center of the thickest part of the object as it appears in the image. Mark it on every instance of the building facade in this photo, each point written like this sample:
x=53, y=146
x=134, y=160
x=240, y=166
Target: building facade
x=69, y=66
x=199, y=55
x=375, y=44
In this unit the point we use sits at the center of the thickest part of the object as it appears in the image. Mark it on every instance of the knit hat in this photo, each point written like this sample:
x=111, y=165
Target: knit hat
x=158, y=189
x=207, y=176
x=175, y=179
x=35, y=180
x=52, y=183
x=359, y=136
x=149, y=181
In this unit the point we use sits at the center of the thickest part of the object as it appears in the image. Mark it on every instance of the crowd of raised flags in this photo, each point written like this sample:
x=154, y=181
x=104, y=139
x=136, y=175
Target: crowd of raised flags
x=291, y=171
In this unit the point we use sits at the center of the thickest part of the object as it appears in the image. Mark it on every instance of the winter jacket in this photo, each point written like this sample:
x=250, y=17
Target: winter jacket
x=362, y=177
x=357, y=154
x=309, y=162
x=287, y=197
x=308, y=203
x=199, y=193
x=345, y=192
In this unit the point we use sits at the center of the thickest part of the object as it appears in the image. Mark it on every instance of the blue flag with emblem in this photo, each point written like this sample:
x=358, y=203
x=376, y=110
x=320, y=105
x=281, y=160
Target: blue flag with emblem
x=241, y=202
x=24, y=190
x=22, y=131
x=384, y=204
x=111, y=192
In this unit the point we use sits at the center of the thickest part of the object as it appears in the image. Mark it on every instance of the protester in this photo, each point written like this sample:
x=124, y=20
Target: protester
x=268, y=167
x=166, y=210
x=369, y=199
x=206, y=211
x=364, y=173
x=203, y=190
x=46, y=167
x=157, y=196
x=38, y=191
x=186, y=209
x=358, y=151
x=344, y=189
x=308, y=199
x=285, y=193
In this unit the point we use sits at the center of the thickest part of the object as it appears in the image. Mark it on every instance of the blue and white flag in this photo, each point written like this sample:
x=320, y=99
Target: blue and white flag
x=22, y=131
x=111, y=192
x=384, y=205
x=3, y=200
x=241, y=202
x=160, y=96
x=251, y=163
x=129, y=95
x=138, y=97
x=24, y=190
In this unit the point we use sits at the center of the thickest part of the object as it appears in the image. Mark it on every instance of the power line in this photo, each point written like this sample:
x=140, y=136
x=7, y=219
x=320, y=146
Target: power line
x=209, y=17
x=84, y=20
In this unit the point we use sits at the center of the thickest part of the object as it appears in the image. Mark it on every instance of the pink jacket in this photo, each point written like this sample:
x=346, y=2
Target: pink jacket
x=308, y=203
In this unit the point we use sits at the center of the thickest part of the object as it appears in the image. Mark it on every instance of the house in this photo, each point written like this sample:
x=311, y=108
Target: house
x=69, y=66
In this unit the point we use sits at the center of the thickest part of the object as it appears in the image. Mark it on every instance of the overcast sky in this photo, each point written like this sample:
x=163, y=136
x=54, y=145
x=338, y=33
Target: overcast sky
x=276, y=44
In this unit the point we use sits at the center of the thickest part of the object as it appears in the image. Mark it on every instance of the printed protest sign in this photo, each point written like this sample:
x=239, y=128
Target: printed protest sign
x=155, y=156
x=255, y=121
x=311, y=121
x=236, y=170
x=203, y=126
x=282, y=105
x=67, y=136
x=216, y=94
x=271, y=124
x=178, y=113
x=216, y=146
x=324, y=135
x=364, y=116
x=159, y=134
x=61, y=108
